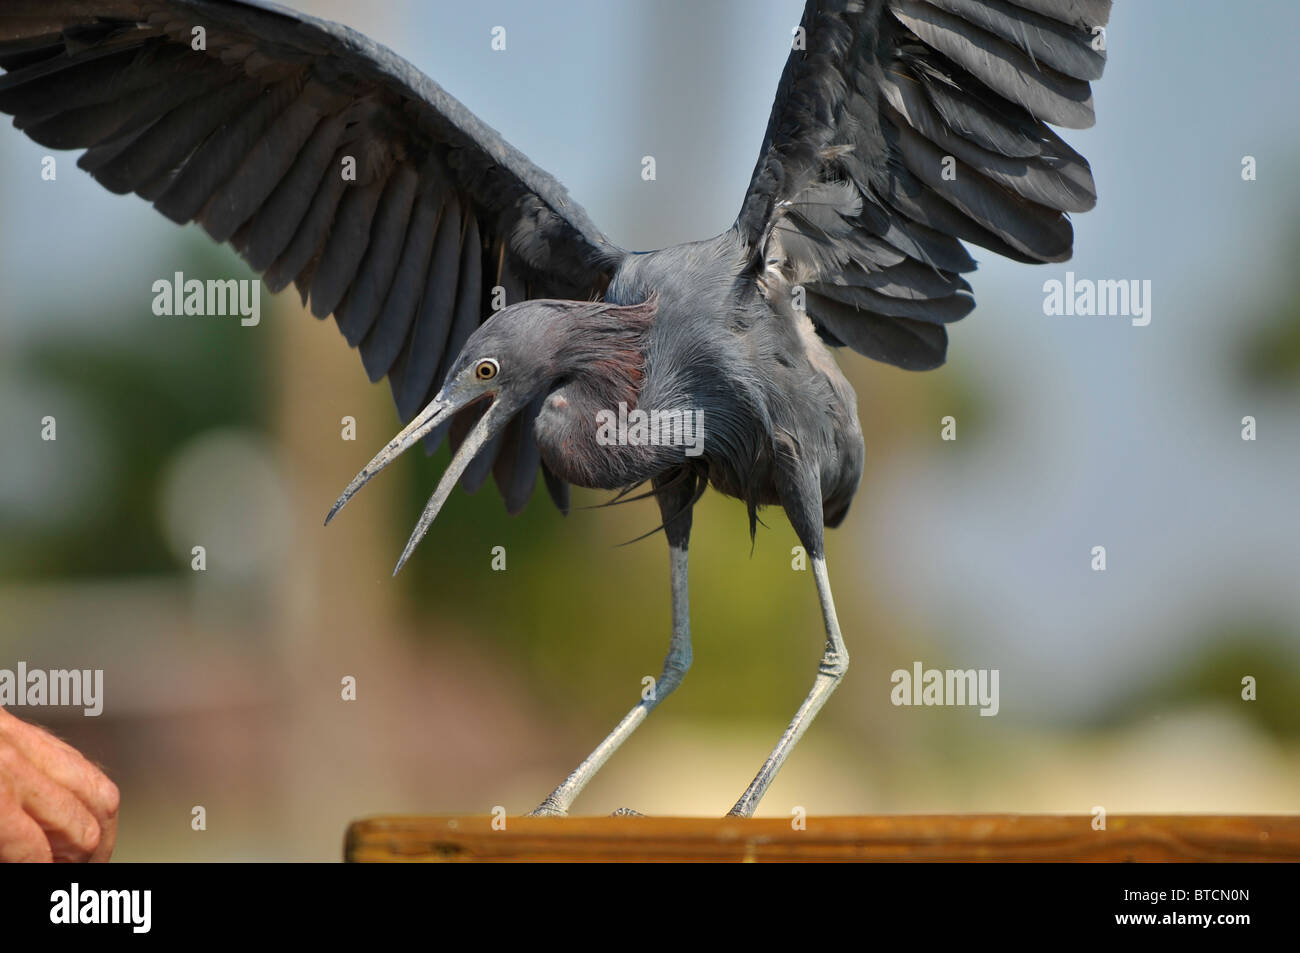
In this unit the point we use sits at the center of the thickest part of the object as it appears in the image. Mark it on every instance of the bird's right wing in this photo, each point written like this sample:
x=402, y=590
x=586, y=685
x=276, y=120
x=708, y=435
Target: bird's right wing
x=326, y=161
x=902, y=126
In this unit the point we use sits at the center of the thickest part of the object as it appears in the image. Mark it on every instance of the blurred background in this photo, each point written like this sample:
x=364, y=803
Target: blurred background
x=478, y=688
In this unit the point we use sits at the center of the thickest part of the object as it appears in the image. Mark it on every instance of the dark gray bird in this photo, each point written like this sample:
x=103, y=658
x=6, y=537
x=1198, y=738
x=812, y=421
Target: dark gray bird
x=901, y=129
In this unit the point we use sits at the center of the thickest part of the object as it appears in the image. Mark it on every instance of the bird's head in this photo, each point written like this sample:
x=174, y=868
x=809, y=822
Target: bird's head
x=509, y=359
x=518, y=353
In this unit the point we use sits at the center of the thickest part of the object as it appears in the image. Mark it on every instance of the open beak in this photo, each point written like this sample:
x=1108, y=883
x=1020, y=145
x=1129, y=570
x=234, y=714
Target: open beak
x=438, y=411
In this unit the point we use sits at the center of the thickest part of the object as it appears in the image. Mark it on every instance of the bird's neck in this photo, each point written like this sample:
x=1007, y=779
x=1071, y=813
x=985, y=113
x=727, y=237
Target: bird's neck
x=592, y=433
x=593, y=430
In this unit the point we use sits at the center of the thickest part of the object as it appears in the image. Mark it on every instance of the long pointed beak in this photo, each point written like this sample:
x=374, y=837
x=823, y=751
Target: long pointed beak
x=429, y=418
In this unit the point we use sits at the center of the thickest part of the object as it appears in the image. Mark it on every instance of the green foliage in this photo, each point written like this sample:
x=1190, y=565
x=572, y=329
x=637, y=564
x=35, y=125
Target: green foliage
x=152, y=386
x=1269, y=354
x=1231, y=650
x=582, y=614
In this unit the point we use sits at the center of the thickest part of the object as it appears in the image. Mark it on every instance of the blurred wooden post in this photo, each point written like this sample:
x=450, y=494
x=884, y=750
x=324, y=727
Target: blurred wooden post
x=972, y=837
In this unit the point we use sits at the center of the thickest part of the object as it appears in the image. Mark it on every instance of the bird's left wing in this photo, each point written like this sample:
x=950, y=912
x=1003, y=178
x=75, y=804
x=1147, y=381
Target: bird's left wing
x=325, y=160
x=902, y=128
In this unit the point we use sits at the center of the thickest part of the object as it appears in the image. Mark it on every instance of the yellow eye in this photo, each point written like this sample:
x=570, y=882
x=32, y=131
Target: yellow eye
x=486, y=369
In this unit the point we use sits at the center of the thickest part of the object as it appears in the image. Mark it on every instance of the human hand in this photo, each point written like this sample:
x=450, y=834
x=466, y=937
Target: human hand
x=54, y=804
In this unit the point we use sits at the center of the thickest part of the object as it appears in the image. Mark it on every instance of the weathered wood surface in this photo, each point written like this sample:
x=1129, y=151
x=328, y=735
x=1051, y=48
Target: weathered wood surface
x=971, y=837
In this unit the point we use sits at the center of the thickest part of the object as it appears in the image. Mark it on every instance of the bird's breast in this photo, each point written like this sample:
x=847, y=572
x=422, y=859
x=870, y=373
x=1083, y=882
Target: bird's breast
x=565, y=431
x=605, y=444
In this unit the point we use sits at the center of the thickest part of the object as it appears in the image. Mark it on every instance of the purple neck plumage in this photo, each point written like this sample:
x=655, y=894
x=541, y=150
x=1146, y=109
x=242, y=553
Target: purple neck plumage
x=602, y=353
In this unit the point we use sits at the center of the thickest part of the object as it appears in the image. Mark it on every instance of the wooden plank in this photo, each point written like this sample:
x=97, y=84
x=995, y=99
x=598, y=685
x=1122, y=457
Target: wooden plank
x=969, y=837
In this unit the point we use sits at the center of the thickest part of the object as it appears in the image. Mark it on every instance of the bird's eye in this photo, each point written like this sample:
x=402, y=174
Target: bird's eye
x=486, y=369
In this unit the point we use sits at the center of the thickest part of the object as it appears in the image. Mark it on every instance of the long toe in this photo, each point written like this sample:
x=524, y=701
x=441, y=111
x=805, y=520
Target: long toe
x=547, y=809
x=626, y=812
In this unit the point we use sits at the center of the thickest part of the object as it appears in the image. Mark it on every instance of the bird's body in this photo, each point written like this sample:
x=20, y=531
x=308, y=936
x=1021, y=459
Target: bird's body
x=769, y=389
x=900, y=130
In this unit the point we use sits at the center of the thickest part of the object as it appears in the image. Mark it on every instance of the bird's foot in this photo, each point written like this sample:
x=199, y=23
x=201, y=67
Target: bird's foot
x=626, y=812
x=744, y=808
x=547, y=808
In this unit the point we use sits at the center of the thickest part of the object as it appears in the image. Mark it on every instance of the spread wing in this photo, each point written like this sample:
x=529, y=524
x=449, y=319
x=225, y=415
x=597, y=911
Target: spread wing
x=905, y=127
x=326, y=161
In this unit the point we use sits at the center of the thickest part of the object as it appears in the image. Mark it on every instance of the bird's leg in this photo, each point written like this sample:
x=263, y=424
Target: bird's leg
x=676, y=508
x=834, y=663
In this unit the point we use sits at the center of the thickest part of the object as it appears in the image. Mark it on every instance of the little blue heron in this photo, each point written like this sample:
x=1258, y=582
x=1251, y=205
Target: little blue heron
x=901, y=128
